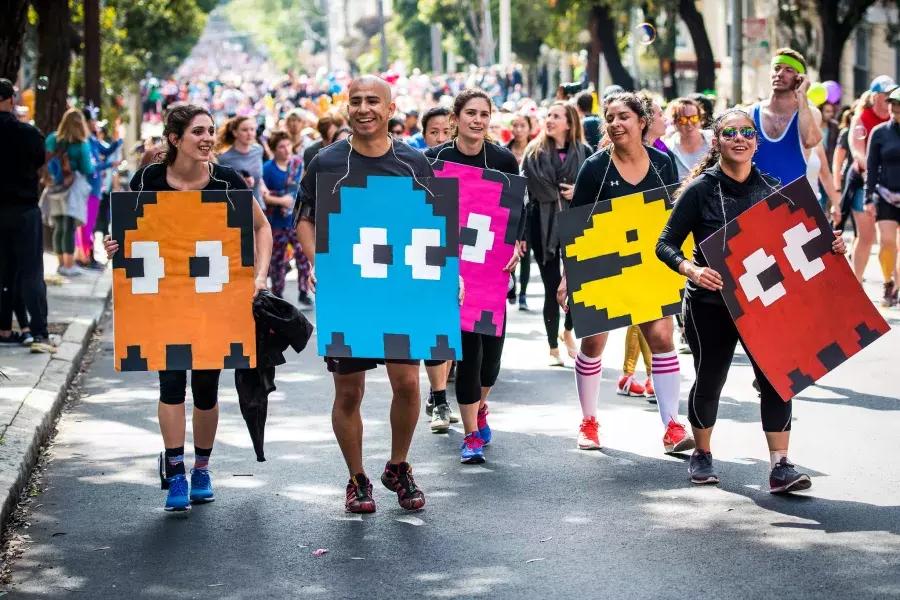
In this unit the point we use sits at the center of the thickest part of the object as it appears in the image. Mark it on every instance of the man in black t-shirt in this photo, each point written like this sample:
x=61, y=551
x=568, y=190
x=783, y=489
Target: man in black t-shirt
x=373, y=151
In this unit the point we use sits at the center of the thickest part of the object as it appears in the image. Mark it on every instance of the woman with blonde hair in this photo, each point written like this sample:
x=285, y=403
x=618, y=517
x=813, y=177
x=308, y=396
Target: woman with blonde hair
x=690, y=142
x=551, y=164
x=70, y=166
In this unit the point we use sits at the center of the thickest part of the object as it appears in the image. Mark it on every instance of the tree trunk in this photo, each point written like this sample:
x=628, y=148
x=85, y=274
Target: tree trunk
x=706, y=63
x=835, y=34
x=665, y=46
x=54, y=41
x=12, y=34
x=92, y=52
x=603, y=40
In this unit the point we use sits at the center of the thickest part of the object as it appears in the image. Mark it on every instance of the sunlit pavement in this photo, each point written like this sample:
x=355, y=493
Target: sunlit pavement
x=539, y=519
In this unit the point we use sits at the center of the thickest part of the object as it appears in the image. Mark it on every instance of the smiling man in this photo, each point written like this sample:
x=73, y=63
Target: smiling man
x=370, y=150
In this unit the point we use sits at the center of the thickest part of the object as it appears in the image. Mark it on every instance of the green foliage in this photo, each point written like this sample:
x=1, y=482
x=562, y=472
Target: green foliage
x=280, y=26
x=138, y=36
x=413, y=32
x=158, y=33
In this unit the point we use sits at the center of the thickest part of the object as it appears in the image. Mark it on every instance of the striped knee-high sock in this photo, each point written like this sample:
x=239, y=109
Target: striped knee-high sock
x=587, y=381
x=667, y=382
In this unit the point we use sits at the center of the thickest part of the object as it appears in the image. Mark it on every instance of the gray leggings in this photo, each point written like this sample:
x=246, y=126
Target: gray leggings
x=63, y=235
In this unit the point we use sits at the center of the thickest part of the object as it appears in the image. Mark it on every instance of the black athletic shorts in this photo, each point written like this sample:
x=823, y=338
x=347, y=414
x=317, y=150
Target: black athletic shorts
x=348, y=366
x=885, y=211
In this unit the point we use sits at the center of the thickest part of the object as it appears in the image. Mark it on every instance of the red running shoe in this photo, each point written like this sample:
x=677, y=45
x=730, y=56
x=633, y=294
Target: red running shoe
x=399, y=479
x=589, y=434
x=648, y=388
x=676, y=438
x=359, y=495
x=627, y=386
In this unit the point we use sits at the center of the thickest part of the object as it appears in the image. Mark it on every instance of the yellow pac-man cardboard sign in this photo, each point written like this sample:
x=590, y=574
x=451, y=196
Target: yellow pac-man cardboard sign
x=183, y=280
x=609, y=252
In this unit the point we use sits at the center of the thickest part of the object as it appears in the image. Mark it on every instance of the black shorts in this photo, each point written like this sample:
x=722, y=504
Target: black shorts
x=348, y=366
x=885, y=211
x=434, y=363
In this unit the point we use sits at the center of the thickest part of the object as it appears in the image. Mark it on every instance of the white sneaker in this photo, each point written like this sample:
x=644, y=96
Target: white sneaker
x=440, y=418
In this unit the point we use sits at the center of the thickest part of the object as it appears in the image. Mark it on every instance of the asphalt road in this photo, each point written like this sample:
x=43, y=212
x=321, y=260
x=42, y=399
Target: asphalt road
x=538, y=520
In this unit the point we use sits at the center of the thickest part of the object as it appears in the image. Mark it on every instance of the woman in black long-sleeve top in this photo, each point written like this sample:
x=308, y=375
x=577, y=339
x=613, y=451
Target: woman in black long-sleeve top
x=722, y=186
x=627, y=167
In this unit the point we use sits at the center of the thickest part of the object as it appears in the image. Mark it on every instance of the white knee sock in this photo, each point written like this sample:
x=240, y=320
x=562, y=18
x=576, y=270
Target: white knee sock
x=587, y=380
x=667, y=383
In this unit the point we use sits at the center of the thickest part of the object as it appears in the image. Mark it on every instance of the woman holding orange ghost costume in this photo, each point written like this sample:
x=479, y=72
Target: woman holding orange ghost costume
x=190, y=137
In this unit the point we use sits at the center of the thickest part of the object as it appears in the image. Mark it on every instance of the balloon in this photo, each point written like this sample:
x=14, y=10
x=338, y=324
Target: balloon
x=817, y=94
x=834, y=91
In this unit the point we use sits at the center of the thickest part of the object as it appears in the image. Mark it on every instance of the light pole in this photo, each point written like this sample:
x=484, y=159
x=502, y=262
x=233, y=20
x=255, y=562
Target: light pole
x=505, y=33
x=737, y=51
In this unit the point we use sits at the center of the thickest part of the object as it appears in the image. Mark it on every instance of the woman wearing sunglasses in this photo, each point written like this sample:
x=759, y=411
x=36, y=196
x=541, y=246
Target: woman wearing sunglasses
x=690, y=142
x=722, y=186
x=626, y=167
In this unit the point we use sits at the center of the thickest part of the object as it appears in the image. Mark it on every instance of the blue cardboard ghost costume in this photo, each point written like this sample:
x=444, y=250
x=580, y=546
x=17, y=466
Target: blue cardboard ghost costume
x=387, y=269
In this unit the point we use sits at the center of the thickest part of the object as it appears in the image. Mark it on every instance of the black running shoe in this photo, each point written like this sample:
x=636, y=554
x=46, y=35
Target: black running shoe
x=785, y=478
x=701, y=468
x=399, y=479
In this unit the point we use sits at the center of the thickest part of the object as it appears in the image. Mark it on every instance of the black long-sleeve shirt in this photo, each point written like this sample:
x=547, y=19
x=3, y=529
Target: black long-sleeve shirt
x=21, y=156
x=698, y=211
x=883, y=159
x=591, y=176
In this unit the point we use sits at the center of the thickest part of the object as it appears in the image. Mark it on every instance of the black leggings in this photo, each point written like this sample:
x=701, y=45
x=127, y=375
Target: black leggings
x=551, y=274
x=524, y=276
x=712, y=336
x=204, y=387
x=479, y=366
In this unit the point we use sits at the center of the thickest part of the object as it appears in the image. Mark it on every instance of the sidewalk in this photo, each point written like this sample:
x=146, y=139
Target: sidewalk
x=37, y=385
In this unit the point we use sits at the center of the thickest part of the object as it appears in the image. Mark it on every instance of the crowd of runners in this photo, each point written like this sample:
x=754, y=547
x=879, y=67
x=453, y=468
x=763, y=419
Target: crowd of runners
x=580, y=148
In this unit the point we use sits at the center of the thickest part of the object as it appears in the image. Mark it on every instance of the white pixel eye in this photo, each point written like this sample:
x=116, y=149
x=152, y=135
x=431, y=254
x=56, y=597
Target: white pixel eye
x=151, y=269
x=476, y=238
x=373, y=254
x=209, y=267
x=796, y=237
x=762, y=279
x=425, y=264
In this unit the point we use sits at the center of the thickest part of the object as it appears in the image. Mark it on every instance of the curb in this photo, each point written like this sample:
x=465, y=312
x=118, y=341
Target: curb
x=32, y=424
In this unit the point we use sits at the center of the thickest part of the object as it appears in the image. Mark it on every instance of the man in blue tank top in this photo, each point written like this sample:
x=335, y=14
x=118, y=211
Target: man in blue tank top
x=787, y=122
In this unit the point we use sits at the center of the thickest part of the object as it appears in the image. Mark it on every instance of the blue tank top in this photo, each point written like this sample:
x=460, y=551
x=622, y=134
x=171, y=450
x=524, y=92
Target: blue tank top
x=781, y=158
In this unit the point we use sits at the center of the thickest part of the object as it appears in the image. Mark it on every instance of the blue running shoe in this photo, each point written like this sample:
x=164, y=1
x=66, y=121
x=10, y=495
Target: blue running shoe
x=484, y=430
x=472, y=450
x=177, y=500
x=201, y=486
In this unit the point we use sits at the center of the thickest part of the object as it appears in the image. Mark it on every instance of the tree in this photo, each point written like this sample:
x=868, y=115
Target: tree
x=604, y=40
x=56, y=42
x=12, y=36
x=92, y=52
x=706, y=63
x=806, y=22
x=837, y=25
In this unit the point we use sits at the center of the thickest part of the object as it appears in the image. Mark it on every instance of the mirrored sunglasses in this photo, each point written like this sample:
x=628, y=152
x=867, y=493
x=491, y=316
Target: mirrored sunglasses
x=693, y=119
x=748, y=133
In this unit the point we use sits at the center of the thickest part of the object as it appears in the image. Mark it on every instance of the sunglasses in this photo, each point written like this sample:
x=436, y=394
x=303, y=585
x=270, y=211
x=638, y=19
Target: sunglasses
x=748, y=133
x=693, y=119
